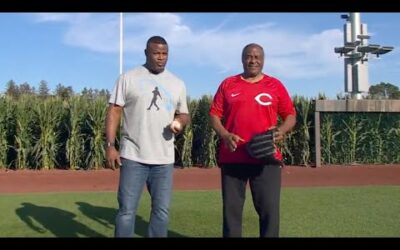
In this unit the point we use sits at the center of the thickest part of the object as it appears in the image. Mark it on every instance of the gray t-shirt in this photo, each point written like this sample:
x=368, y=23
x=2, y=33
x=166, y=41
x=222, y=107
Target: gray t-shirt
x=149, y=104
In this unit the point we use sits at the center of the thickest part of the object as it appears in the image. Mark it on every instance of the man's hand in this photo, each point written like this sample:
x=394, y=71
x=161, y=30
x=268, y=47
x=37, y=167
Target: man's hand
x=231, y=140
x=279, y=135
x=176, y=127
x=113, y=157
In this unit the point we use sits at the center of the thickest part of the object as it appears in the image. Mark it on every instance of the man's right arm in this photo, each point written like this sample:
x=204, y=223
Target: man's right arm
x=112, y=122
x=229, y=139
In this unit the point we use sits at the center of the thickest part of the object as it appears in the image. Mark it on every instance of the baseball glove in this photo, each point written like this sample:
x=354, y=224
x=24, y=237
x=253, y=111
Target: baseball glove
x=262, y=147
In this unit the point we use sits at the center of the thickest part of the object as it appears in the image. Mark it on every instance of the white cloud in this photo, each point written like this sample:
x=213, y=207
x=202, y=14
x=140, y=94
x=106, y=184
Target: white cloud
x=289, y=53
x=99, y=33
x=60, y=17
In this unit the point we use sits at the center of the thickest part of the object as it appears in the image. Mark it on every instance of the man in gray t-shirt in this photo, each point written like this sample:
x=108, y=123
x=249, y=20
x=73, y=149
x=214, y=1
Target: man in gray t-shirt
x=152, y=103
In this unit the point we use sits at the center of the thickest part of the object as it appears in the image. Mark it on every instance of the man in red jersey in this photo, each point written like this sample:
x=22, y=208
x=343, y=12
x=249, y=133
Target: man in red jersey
x=249, y=104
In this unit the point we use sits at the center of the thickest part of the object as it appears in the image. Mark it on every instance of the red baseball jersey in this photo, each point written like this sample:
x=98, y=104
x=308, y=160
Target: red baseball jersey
x=248, y=109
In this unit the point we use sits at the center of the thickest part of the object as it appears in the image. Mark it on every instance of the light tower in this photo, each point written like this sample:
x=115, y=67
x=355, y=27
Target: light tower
x=356, y=51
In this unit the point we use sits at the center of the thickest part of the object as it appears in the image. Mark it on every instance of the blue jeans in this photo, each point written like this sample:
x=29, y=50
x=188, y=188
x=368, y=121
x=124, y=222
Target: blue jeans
x=133, y=177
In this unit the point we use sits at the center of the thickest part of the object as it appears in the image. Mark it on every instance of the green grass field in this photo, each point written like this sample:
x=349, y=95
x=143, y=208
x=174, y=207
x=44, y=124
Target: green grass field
x=305, y=212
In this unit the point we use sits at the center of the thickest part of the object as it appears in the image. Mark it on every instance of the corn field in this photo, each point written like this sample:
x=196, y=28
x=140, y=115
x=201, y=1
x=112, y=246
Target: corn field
x=69, y=133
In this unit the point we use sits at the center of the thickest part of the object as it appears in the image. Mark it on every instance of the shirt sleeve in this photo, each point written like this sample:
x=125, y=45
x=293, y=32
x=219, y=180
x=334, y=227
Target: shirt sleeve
x=118, y=94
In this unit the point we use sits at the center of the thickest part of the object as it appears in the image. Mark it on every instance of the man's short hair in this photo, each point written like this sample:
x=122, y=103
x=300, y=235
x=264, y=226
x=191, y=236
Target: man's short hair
x=156, y=39
x=252, y=45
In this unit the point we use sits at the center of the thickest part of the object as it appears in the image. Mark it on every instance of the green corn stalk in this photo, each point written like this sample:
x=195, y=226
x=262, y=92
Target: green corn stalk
x=328, y=139
x=49, y=113
x=204, y=138
x=24, y=131
x=186, y=148
x=303, y=124
x=186, y=143
x=393, y=140
x=209, y=158
x=3, y=133
x=95, y=158
x=373, y=149
x=355, y=138
x=75, y=151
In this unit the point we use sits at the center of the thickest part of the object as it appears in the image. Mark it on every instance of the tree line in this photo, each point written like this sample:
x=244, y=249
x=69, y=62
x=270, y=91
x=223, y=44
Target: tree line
x=15, y=90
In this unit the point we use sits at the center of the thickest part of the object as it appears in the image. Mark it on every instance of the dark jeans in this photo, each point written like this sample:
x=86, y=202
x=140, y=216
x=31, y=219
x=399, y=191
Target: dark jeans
x=265, y=186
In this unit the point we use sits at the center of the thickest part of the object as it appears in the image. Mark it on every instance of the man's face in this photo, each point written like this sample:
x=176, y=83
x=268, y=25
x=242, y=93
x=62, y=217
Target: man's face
x=156, y=57
x=253, y=61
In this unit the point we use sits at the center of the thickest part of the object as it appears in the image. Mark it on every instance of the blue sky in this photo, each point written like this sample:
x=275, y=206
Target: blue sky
x=82, y=49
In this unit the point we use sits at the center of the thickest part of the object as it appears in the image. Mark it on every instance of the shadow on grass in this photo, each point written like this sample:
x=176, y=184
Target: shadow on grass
x=106, y=217
x=59, y=222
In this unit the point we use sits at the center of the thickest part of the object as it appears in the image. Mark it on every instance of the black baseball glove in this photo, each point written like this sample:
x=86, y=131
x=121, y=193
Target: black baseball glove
x=262, y=147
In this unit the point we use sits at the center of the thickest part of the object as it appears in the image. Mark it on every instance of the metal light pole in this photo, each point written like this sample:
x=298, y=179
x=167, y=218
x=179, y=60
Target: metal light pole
x=355, y=51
